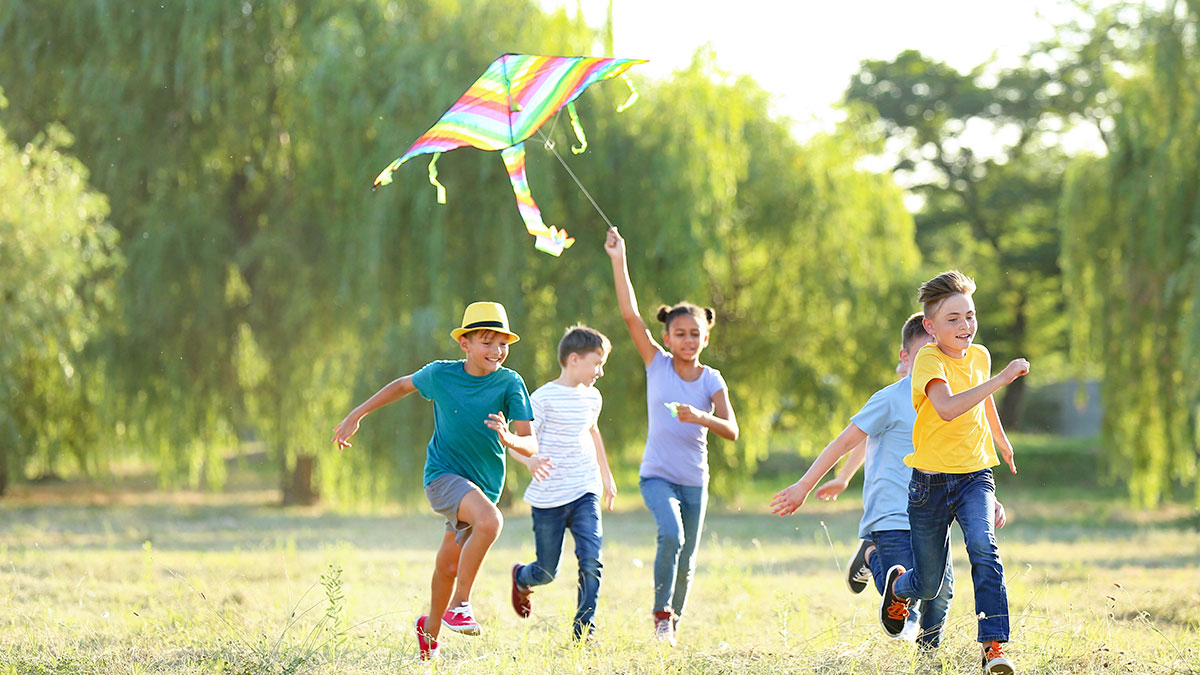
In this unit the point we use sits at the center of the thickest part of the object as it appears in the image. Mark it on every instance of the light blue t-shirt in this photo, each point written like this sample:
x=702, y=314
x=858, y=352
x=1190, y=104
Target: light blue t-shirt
x=677, y=451
x=462, y=444
x=887, y=419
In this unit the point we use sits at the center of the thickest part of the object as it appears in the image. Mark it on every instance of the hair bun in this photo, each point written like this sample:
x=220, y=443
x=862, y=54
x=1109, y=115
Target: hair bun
x=663, y=311
x=711, y=315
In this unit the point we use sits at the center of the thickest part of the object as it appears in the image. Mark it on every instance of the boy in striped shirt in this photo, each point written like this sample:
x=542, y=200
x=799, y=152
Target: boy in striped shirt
x=565, y=412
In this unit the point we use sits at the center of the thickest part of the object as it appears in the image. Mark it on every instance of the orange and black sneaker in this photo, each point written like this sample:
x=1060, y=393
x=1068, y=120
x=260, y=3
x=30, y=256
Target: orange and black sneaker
x=994, y=661
x=894, y=609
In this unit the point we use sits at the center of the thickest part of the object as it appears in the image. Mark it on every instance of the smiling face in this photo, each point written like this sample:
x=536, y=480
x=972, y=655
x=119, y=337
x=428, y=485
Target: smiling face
x=953, y=325
x=485, y=350
x=686, y=337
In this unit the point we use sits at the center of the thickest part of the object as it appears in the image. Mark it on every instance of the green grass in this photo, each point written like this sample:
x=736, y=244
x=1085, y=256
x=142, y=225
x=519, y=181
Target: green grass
x=98, y=582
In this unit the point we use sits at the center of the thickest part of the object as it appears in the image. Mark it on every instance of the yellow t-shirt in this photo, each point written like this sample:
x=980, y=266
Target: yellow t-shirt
x=964, y=444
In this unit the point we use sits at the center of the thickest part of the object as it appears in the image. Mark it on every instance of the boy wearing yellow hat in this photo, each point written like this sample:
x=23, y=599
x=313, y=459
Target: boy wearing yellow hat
x=474, y=399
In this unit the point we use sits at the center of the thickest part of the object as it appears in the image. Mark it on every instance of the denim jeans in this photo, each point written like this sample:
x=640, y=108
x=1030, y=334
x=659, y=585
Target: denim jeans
x=582, y=517
x=894, y=547
x=678, y=511
x=935, y=501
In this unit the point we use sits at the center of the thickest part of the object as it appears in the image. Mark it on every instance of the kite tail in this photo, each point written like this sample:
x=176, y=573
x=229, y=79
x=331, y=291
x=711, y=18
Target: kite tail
x=441, y=189
x=578, y=129
x=633, y=94
x=547, y=239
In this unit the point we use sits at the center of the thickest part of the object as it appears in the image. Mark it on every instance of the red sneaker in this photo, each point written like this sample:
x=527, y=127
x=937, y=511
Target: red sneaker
x=664, y=627
x=427, y=647
x=520, y=595
x=461, y=620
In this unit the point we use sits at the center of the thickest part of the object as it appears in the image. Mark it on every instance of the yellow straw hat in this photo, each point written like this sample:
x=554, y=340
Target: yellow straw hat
x=485, y=316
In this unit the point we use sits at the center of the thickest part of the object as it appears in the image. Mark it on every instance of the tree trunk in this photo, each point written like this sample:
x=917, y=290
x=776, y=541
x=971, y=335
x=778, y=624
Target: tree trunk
x=3, y=470
x=298, y=485
x=1009, y=405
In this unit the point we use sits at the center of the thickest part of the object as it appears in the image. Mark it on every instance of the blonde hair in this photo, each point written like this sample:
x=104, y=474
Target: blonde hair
x=944, y=285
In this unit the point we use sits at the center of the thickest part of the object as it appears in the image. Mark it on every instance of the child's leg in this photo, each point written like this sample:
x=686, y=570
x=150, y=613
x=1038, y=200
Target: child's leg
x=892, y=547
x=660, y=497
x=692, y=504
x=548, y=528
x=584, y=521
x=929, y=519
x=933, y=615
x=974, y=504
x=442, y=586
x=486, y=522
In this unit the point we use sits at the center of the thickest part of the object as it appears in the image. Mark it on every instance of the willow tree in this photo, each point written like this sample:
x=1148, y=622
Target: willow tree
x=57, y=255
x=1131, y=246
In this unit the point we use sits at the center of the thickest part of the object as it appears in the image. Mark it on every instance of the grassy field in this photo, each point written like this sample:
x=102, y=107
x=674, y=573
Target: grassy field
x=141, y=582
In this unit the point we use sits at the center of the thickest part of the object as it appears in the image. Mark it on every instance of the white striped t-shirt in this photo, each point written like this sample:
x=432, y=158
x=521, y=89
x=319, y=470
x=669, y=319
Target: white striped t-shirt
x=562, y=419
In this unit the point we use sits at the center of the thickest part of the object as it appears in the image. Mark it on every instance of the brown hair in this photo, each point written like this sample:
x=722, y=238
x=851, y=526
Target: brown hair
x=914, y=327
x=581, y=339
x=944, y=285
x=705, y=316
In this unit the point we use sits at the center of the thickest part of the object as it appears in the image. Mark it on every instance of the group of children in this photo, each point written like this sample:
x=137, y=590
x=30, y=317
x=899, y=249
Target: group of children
x=928, y=451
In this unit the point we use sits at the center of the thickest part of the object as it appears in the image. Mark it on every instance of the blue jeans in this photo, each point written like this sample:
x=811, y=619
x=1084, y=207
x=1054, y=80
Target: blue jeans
x=894, y=547
x=582, y=517
x=678, y=511
x=935, y=501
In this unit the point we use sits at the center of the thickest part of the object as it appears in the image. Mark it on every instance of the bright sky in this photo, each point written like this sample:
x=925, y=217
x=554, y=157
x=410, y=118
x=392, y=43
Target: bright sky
x=805, y=51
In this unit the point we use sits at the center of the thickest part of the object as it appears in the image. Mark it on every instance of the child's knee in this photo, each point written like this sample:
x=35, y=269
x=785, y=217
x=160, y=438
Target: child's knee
x=447, y=569
x=671, y=537
x=590, y=567
x=488, y=525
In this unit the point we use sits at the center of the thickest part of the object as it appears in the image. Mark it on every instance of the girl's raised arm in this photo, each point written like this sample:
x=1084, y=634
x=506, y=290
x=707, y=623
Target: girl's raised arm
x=614, y=245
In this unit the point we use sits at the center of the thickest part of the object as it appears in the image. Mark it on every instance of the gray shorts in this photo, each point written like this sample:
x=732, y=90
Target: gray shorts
x=445, y=493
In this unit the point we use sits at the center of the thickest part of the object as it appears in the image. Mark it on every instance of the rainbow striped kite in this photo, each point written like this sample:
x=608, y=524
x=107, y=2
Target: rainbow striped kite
x=514, y=97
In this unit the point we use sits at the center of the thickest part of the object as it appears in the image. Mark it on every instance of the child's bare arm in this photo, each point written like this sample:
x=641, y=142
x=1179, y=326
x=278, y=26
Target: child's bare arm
x=793, y=497
x=392, y=391
x=614, y=245
x=721, y=420
x=998, y=435
x=523, y=441
x=610, y=485
x=950, y=405
x=837, y=486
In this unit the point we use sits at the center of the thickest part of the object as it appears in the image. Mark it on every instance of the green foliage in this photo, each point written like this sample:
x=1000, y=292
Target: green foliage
x=1131, y=245
x=268, y=290
x=979, y=149
x=57, y=256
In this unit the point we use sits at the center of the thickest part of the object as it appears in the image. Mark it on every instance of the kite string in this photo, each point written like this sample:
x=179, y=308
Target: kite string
x=549, y=143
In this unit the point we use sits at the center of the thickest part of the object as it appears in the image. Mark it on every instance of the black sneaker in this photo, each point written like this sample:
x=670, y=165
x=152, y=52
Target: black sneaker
x=894, y=609
x=858, y=572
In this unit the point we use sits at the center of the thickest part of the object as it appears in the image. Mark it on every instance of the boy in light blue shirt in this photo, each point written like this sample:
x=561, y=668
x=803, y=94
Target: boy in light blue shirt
x=885, y=423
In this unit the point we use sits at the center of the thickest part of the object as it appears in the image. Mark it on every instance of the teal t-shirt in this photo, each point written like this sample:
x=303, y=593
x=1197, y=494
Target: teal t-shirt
x=462, y=444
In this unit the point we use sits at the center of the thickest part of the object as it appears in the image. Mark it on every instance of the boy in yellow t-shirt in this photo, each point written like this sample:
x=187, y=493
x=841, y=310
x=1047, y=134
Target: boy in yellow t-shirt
x=954, y=436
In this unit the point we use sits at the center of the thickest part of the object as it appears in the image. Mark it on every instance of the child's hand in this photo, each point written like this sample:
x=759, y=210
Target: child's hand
x=1006, y=453
x=539, y=466
x=686, y=413
x=610, y=492
x=1000, y=518
x=343, y=431
x=614, y=244
x=1015, y=368
x=788, y=500
x=830, y=491
x=497, y=423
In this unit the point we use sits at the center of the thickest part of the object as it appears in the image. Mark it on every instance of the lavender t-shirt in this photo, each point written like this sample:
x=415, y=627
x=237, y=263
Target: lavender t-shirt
x=677, y=451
